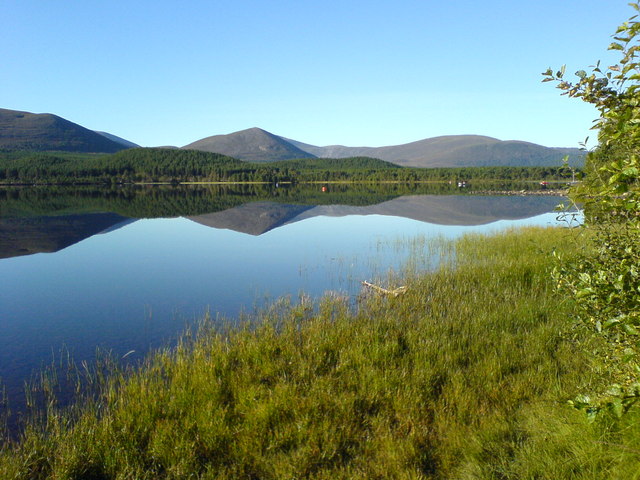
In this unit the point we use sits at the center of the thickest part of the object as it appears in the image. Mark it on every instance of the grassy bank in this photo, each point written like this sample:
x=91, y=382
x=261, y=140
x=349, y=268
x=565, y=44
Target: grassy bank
x=465, y=376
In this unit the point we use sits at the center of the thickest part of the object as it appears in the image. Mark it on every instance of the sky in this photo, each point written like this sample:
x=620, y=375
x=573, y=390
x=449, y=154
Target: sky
x=355, y=73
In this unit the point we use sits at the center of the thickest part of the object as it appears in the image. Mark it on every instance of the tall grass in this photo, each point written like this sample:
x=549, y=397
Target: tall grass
x=465, y=376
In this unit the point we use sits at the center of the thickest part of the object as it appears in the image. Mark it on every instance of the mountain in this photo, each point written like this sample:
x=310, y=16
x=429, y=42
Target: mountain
x=257, y=145
x=30, y=131
x=119, y=140
x=44, y=131
x=454, y=151
x=251, y=145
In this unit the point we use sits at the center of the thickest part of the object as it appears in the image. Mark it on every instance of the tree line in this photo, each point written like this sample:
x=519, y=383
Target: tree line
x=176, y=166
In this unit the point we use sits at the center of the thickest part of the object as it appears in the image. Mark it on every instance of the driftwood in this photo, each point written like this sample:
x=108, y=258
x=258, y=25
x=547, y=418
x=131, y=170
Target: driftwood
x=394, y=293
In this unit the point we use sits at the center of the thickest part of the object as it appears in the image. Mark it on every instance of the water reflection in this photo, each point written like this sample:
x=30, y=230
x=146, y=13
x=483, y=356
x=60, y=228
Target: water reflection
x=142, y=280
x=42, y=220
x=260, y=217
x=29, y=235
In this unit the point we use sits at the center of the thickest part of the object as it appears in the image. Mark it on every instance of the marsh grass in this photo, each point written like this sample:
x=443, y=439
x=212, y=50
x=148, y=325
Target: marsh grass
x=465, y=376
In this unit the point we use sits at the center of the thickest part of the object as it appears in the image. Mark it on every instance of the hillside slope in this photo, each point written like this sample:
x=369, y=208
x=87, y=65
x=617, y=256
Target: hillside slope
x=251, y=145
x=44, y=131
x=117, y=139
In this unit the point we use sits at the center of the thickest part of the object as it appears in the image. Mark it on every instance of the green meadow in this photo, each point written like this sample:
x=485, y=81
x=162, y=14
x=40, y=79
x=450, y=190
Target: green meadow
x=467, y=375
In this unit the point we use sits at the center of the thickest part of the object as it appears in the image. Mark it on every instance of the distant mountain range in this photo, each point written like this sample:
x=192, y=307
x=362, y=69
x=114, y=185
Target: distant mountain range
x=257, y=145
x=454, y=151
x=41, y=132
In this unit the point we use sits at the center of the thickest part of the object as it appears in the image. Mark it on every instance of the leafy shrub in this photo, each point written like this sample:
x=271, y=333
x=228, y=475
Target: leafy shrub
x=605, y=280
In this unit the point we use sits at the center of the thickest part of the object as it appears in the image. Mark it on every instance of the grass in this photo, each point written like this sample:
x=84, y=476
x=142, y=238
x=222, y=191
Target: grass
x=466, y=376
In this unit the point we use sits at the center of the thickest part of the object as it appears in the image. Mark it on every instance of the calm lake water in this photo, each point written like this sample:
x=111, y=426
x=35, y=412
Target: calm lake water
x=82, y=269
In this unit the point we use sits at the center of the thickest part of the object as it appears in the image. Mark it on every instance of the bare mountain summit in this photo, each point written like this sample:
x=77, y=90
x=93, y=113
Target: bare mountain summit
x=251, y=145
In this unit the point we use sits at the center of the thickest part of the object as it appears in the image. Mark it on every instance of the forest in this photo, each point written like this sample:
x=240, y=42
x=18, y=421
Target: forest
x=151, y=165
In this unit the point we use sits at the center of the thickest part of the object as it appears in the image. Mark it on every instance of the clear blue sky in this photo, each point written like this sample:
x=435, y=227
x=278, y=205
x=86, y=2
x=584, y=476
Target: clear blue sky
x=323, y=72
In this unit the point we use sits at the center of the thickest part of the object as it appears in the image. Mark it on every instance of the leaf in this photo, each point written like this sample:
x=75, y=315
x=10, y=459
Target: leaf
x=585, y=277
x=628, y=355
x=611, y=322
x=585, y=292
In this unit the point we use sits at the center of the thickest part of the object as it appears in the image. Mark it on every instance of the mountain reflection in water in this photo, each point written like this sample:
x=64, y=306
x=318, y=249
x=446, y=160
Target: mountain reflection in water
x=260, y=217
x=29, y=235
x=138, y=284
x=25, y=235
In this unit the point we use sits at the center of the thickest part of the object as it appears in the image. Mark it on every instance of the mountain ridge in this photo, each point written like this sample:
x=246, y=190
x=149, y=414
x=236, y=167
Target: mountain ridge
x=257, y=145
x=117, y=139
x=454, y=151
x=21, y=130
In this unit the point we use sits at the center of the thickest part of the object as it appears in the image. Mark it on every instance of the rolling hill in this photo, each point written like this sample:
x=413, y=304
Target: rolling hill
x=257, y=145
x=44, y=131
x=251, y=145
x=455, y=151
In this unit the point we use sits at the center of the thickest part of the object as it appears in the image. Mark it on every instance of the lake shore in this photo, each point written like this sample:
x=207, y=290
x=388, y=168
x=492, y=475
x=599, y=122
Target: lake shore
x=549, y=192
x=467, y=371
